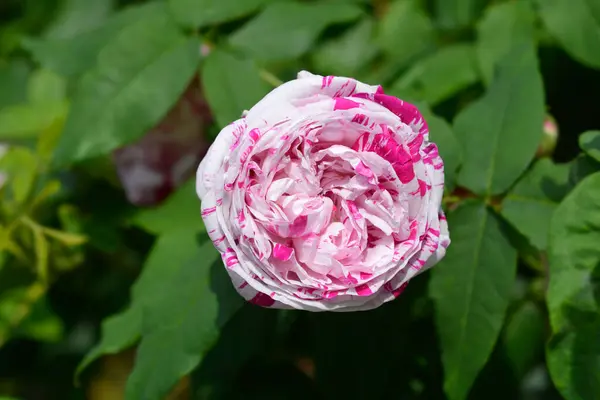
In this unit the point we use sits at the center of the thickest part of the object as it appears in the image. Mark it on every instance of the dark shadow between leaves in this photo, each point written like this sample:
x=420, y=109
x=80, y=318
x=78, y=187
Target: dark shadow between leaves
x=220, y=284
x=581, y=167
x=555, y=191
x=497, y=379
x=389, y=352
x=266, y=379
x=594, y=143
x=595, y=283
x=246, y=331
x=516, y=238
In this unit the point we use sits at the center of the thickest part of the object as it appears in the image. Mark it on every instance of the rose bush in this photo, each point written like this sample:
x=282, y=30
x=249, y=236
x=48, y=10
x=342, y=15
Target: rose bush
x=324, y=196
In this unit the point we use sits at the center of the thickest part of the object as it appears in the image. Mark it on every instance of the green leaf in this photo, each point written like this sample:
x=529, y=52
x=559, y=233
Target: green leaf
x=49, y=137
x=400, y=25
x=198, y=13
x=454, y=14
x=438, y=76
x=502, y=26
x=590, y=143
x=573, y=302
x=75, y=55
x=181, y=211
x=530, y=204
x=41, y=324
x=524, y=337
x=20, y=166
x=574, y=254
x=13, y=81
x=45, y=86
x=345, y=55
x=286, y=30
x=168, y=255
x=182, y=323
x=576, y=25
x=46, y=104
x=471, y=289
x=137, y=79
x=16, y=308
x=440, y=132
x=119, y=332
x=78, y=16
x=231, y=85
x=501, y=131
x=26, y=121
x=574, y=360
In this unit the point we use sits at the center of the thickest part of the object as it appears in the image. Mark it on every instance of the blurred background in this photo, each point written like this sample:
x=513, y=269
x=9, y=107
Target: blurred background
x=79, y=213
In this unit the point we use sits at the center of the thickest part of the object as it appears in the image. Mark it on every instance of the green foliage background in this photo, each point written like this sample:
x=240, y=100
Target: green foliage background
x=513, y=311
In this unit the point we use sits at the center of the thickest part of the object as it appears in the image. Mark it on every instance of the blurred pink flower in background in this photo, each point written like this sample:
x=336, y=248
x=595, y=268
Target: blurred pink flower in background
x=167, y=155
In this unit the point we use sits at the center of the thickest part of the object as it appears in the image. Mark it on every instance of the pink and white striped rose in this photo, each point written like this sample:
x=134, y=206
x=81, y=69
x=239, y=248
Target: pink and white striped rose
x=325, y=196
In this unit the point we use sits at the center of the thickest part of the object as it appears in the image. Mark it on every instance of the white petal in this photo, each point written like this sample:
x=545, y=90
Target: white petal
x=212, y=163
x=279, y=104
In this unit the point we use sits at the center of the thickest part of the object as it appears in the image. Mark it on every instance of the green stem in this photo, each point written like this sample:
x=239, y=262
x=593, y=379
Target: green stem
x=41, y=247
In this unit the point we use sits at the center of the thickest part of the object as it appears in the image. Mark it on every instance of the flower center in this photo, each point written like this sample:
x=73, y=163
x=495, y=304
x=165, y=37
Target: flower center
x=334, y=209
